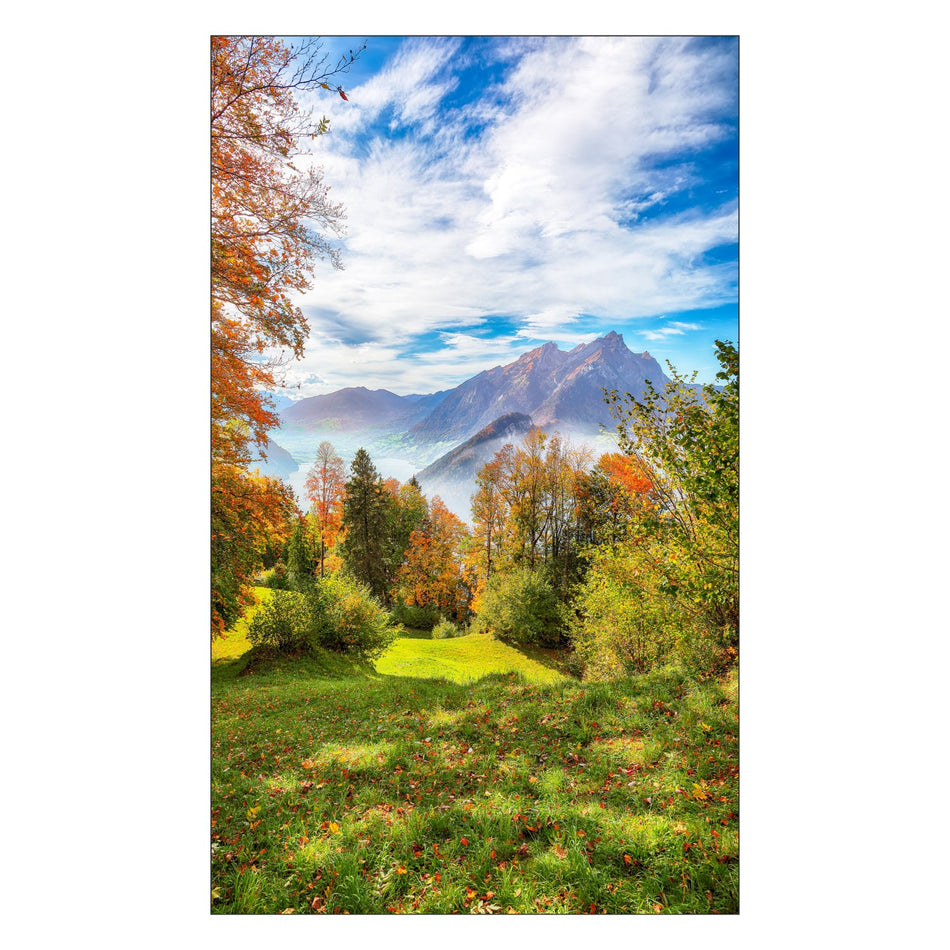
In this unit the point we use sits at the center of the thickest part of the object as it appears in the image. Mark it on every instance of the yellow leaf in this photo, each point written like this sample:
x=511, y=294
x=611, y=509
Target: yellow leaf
x=334, y=827
x=215, y=893
x=699, y=792
x=252, y=813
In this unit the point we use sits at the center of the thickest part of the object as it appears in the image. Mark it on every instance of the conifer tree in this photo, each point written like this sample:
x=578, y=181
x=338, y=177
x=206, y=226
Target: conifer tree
x=367, y=511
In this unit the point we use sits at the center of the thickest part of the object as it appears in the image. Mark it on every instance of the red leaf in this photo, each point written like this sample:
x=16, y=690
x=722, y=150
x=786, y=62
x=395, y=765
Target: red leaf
x=342, y=93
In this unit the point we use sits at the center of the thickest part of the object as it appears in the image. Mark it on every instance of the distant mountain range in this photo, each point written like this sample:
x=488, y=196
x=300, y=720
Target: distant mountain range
x=548, y=387
x=358, y=408
x=554, y=387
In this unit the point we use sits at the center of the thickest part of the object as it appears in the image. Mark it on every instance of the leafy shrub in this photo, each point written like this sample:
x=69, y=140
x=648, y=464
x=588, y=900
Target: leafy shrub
x=520, y=607
x=283, y=622
x=347, y=618
x=634, y=613
x=416, y=618
x=275, y=578
x=444, y=630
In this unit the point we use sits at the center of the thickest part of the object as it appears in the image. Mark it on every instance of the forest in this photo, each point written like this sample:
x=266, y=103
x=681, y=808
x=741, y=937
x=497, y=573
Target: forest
x=532, y=712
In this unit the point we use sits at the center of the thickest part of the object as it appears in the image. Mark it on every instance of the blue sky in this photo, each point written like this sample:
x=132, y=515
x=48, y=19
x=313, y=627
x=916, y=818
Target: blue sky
x=506, y=191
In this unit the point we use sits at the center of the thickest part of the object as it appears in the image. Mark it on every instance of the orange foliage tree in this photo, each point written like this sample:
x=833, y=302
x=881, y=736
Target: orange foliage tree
x=325, y=484
x=615, y=498
x=269, y=224
x=432, y=572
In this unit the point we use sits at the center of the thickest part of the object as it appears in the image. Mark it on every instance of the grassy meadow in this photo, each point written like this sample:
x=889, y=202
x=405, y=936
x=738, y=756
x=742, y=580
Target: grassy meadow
x=464, y=776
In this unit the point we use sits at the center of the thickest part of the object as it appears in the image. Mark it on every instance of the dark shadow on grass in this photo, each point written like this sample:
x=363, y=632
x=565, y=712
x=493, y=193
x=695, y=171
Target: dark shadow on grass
x=557, y=660
x=315, y=663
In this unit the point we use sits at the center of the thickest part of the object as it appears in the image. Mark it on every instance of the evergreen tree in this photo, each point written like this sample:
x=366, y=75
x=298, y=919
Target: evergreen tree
x=300, y=555
x=367, y=514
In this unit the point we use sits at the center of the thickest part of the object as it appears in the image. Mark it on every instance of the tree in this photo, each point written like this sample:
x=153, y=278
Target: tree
x=269, y=218
x=249, y=515
x=325, y=483
x=685, y=440
x=367, y=514
x=269, y=223
x=300, y=554
x=488, y=513
x=432, y=573
x=672, y=581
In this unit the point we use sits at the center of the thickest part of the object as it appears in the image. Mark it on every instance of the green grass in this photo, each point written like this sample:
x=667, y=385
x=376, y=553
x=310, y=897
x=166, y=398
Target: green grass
x=338, y=788
x=462, y=660
x=234, y=643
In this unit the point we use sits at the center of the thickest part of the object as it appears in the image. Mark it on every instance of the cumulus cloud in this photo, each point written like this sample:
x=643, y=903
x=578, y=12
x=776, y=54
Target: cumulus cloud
x=542, y=199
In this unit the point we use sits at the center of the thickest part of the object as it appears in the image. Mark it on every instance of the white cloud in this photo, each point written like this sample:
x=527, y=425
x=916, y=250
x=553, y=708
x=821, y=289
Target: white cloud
x=533, y=219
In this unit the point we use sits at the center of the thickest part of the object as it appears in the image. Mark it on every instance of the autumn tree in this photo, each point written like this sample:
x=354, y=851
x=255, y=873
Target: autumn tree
x=270, y=221
x=432, y=573
x=489, y=511
x=686, y=439
x=671, y=585
x=325, y=483
x=615, y=497
x=250, y=514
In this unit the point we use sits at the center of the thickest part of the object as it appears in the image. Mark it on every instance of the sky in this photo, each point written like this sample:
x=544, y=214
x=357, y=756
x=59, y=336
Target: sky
x=503, y=192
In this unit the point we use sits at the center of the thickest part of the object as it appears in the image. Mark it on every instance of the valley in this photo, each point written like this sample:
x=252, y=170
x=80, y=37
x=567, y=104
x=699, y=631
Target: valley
x=444, y=437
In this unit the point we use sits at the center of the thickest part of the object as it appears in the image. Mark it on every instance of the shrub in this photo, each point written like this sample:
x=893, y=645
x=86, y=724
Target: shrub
x=275, y=578
x=347, y=618
x=283, y=622
x=416, y=618
x=520, y=607
x=444, y=630
x=634, y=614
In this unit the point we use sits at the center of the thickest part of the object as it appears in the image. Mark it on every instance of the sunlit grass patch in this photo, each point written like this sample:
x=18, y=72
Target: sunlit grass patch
x=462, y=660
x=234, y=643
x=352, y=755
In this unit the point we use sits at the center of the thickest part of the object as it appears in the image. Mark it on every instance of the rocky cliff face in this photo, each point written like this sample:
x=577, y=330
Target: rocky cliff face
x=552, y=386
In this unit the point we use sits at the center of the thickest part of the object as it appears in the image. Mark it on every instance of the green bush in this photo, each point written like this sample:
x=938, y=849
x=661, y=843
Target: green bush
x=283, y=622
x=444, y=630
x=521, y=607
x=634, y=613
x=346, y=617
x=416, y=618
x=275, y=578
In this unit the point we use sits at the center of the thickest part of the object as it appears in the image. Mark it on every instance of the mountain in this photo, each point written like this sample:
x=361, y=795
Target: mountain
x=453, y=475
x=355, y=407
x=279, y=461
x=555, y=388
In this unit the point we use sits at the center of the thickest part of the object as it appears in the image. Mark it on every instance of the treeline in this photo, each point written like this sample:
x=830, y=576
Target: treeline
x=627, y=561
